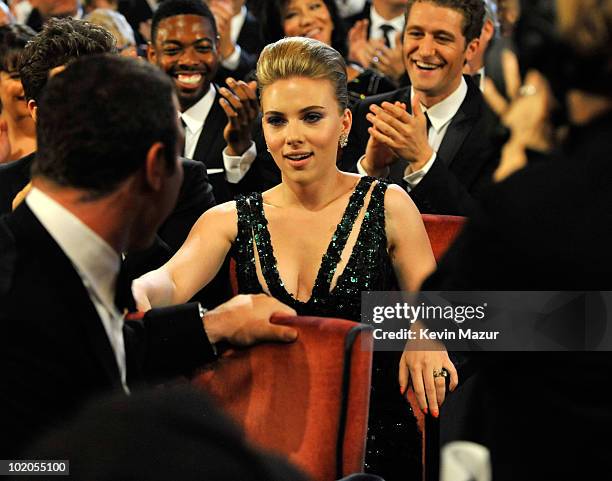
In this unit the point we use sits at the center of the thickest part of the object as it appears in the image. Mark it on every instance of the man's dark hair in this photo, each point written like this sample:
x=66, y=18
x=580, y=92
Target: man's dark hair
x=13, y=39
x=473, y=12
x=94, y=126
x=172, y=8
x=61, y=41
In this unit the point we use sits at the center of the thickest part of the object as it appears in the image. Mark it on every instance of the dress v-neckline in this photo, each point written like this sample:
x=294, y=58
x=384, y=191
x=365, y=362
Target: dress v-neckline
x=330, y=258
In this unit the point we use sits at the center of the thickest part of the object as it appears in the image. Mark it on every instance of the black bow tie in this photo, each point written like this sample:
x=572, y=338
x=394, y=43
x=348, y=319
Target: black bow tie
x=476, y=78
x=123, y=290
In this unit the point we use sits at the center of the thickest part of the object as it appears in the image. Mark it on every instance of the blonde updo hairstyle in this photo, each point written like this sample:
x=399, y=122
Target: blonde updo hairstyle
x=302, y=57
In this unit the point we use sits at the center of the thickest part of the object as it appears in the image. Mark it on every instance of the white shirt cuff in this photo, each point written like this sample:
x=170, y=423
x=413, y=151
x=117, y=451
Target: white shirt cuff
x=362, y=171
x=236, y=166
x=232, y=62
x=413, y=178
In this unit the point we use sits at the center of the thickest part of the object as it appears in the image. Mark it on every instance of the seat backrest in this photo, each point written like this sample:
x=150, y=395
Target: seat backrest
x=442, y=231
x=307, y=400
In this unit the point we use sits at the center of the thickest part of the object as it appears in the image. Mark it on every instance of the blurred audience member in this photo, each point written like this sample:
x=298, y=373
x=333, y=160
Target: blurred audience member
x=116, y=24
x=475, y=66
x=240, y=39
x=436, y=138
x=347, y=8
x=45, y=9
x=299, y=18
x=6, y=16
x=61, y=41
x=159, y=435
x=509, y=14
x=547, y=227
x=91, y=5
x=17, y=130
x=375, y=37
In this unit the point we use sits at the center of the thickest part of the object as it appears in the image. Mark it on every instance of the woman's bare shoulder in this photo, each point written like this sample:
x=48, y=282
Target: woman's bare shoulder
x=222, y=218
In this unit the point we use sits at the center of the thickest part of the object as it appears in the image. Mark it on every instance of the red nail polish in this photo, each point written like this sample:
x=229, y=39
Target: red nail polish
x=424, y=410
x=435, y=414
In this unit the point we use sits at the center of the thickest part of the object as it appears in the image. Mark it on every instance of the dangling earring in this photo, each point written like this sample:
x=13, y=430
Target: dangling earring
x=343, y=140
x=268, y=149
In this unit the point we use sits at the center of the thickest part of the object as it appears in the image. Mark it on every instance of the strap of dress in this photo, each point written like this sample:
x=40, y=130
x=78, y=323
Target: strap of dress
x=245, y=255
x=331, y=258
x=267, y=261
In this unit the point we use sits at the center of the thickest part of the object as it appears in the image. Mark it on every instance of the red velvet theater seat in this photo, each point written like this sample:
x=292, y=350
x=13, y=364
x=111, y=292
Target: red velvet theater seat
x=442, y=231
x=307, y=400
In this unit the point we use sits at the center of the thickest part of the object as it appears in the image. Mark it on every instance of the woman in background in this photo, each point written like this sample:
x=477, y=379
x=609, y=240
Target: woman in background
x=319, y=19
x=17, y=130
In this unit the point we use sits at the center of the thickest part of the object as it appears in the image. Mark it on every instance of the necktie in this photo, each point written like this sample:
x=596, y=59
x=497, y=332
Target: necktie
x=184, y=135
x=428, y=122
x=386, y=30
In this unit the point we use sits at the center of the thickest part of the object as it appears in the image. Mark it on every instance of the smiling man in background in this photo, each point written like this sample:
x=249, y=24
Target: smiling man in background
x=185, y=44
x=444, y=152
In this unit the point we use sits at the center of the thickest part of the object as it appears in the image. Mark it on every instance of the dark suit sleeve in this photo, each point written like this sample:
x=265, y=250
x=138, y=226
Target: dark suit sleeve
x=245, y=66
x=195, y=198
x=167, y=342
x=440, y=192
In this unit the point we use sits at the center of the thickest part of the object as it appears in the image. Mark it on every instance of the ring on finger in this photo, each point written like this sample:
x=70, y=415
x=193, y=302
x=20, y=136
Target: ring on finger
x=442, y=372
x=527, y=90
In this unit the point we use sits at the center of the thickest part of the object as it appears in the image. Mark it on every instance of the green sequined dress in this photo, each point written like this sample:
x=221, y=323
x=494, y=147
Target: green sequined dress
x=393, y=449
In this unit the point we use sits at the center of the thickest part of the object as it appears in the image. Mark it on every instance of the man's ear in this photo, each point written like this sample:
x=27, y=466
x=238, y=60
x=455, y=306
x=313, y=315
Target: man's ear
x=471, y=49
x=151, y=53
x=33, y=109
x=155, y=167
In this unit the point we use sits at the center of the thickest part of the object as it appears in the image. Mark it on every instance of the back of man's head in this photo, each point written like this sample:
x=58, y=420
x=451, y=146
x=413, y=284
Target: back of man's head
x=473, y=12
x=60, y=42
x=95, y=126
x=172, y=8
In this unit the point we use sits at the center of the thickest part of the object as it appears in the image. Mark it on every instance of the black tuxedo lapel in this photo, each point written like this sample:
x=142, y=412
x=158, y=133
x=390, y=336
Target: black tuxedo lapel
x=76, y=305
x=211, y=142
x=459, y=128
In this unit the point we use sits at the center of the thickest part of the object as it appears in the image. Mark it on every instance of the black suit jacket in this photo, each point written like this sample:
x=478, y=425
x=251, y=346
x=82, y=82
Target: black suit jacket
x=546, y=228
x=13, y=178
x=54, y=351
x=465, y=160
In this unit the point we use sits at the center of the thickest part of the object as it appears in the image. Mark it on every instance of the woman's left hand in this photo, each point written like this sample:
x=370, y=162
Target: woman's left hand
x=422, y=365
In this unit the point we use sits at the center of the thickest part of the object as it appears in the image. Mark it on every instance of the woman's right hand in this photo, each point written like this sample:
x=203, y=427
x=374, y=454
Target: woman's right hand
x=141, y=297
x=417, y=367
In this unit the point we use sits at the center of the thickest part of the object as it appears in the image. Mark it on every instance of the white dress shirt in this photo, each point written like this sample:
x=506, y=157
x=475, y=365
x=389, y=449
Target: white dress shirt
x=95, y=261
x=194, y=118
x=376, y=21
x=440, y=116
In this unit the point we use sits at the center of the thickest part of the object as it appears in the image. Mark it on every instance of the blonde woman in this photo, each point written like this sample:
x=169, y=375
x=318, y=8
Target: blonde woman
x=320, y=237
